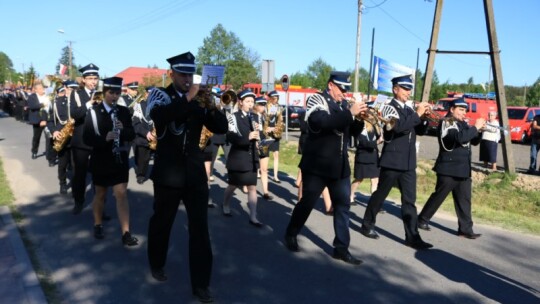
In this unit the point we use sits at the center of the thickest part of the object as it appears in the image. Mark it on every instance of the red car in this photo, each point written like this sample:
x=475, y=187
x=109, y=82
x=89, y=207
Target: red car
x=520, y=119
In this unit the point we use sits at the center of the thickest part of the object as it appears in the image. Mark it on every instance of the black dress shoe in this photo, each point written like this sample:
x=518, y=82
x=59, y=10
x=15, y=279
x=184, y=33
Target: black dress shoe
x=277, y=181
x=471, y=235
x=353, y=203
x=51, y=164
x=370, y=233
x=129, y=240
x=418, y=244
x=63, y=189
x=256, y=224
x=34, y=155
x=78, y=208
x=203, y=295
x=291, y=243
x=159, y=274
x=211, y=205
x=267, y=196
x=98, y=232
x=140, y=180
x=424, y=226
x=346, y=257
x=382, y=211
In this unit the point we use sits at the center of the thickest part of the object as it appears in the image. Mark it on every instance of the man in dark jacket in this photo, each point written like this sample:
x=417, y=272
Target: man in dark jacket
x=179, y=173
x=80, y=101
x=325, y=163
x=39, y=105
x=453, y=167
x=398, y=164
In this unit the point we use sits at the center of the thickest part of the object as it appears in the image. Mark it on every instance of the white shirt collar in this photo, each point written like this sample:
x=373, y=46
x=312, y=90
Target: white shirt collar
x=107, y=107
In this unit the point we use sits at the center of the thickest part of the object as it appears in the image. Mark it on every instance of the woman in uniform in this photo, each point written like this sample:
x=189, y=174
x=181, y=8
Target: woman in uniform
x=108, y=129
x=243, y=159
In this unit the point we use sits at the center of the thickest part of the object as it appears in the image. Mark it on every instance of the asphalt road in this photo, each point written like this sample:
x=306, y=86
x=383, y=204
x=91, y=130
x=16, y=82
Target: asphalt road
x=252, y=265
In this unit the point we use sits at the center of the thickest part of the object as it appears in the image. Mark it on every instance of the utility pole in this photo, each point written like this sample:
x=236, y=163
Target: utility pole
x=525, y=94
x=357, y=61
x=493, y=54
x=70, y=57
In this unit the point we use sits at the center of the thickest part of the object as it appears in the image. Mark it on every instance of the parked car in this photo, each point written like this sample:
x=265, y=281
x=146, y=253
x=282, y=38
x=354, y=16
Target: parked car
x=520, y=119
x=294, y=116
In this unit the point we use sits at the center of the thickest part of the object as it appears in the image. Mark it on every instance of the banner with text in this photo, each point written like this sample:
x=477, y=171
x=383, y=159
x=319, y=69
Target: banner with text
x=384, y=71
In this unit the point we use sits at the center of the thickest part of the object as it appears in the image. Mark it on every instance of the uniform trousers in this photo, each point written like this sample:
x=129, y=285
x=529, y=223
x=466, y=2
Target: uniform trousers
x=461, y=193
x=406, y=181
x=80, y=169
x=36, y=137
x=166, y=201
x=64, y=157
x=340, y=190
x=142, y=159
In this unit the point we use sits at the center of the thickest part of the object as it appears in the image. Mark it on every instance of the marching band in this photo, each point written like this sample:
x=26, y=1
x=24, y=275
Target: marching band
x=92, y=129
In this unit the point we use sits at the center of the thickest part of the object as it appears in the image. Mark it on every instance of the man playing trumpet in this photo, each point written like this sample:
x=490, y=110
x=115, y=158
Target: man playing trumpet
x=453, y=167
x=325, y=163
x=398, y=164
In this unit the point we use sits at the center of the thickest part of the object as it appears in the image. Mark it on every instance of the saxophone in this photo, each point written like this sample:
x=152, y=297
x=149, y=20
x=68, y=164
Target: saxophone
x=205, y=137
x=278, y=126
x=65, y=133
x=153, y=144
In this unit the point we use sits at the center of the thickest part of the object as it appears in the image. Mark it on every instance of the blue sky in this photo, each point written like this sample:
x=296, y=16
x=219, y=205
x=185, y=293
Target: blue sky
x=117, y=34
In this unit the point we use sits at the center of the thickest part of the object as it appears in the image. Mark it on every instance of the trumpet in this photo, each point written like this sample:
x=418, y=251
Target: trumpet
x=228, y=97
x=431, y=115
x=378, y=115
x=97, y=94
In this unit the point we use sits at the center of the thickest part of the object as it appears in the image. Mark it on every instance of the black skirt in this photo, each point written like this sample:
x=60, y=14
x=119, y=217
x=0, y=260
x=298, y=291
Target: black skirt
x=362, y=171
x=488, y=151
x=239, y=178
x=274, y=146
x=109, y=180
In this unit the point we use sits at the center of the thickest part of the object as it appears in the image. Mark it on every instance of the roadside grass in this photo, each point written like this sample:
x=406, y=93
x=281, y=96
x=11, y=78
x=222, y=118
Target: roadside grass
x=495, y=201
x=7, y=199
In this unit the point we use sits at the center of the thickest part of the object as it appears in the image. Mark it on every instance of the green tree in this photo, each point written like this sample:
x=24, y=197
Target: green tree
x=533, y=93
x=64, y=59
x=301, y=79
x=31, y=76
x=6, y=68
x=225, y=48
x=319, y=72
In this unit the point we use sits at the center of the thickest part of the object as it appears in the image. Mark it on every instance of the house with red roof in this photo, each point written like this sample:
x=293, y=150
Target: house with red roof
x=132, y=74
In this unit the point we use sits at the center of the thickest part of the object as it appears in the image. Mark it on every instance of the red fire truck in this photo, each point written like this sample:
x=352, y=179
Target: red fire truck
x=479, y=106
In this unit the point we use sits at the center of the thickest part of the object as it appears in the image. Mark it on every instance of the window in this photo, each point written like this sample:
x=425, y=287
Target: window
x=530, y=115
x=472, y=106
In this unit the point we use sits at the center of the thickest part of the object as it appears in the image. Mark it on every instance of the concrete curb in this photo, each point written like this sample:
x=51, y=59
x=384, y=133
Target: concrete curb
x=20, y=271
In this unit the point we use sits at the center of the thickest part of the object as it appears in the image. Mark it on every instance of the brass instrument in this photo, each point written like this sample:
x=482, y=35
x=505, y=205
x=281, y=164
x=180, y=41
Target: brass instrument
x=279, y=125
x=264, y=143
x=97, y=94
x=139, y=99
x=432, y=116
x=228, y=97
x=153, y=144
x=375, y=117
x=65, y=133
x=205, y=98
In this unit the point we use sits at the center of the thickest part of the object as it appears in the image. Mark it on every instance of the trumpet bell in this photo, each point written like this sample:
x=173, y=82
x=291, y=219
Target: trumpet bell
x=228, y=97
